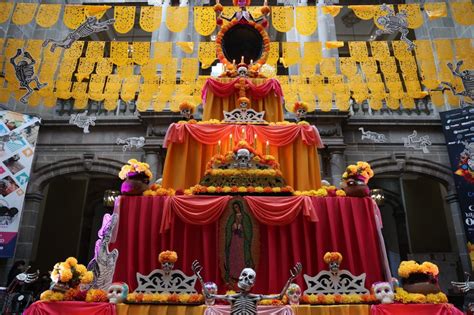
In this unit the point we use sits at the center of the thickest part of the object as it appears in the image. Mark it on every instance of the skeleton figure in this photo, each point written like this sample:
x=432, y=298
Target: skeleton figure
x=392, y=23
x=467, y=78
x=167, y=267
x=243, y=158
x=103, y=263
x=187, y=113
x=25, y=73
x=91, y=25
x=300, y=114
x=244, y=302
x=417, y=143
x=82, y=121
x=383, y=291
x=373, y=136
x=117, y=292
x=132, y=142
x=243, y=15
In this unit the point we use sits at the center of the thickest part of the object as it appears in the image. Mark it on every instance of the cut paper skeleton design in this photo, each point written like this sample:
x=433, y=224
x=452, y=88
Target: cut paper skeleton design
x=392, y=23
x=90, y=26
x=132, y=142
x=25, y=73
x=244, y=302
x=467, y=78
x=417, y=143
x=82, y=121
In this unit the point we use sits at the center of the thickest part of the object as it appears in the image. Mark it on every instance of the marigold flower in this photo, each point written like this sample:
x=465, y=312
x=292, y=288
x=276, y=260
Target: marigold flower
x=330, y=257
x=72, y=261
x=65, y=275
x=168, y=256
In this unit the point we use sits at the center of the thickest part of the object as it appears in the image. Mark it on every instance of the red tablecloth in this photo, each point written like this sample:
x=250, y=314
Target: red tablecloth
x=70, y=308
x=347, y=225
x=418, y=309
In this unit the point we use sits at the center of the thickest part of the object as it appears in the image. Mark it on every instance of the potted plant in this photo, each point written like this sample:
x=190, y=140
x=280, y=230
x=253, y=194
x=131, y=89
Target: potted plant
x=355, y=179
x=136, y=177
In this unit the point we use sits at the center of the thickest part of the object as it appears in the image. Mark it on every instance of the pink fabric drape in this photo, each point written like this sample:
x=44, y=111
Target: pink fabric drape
x=418, y=309
x=70, y=308
x=276, y=135
x=261, y=310
x=225, y=89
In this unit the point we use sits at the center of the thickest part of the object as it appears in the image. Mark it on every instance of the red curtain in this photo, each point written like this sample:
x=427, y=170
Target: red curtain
x=70, y=308
x=346, y=225
x=418, y=309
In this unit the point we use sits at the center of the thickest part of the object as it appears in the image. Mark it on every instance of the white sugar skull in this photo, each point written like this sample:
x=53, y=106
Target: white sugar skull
x=301, y=113
x=243, y=157
x=211, y=288
x=242, y=71
x=334, y=267
x=294, y=294
x=186, y=113
x=167, y=266
x=247, y=279
x=383, y=291
x=117, y=292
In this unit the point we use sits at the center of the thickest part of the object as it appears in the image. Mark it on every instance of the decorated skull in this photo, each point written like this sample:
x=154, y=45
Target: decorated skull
x=186, y=113
x=242, y=71
x=243, y=157
x=334, y=267
x=383, y=292
x=247, y=279
x=294, y=294
x=211, y=288
x=301, y=113
x=117, y=292
x=167, y=266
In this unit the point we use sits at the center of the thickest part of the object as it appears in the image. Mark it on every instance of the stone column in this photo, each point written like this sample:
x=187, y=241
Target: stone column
x=337, y=166
x=152, y=158
x=455, y=210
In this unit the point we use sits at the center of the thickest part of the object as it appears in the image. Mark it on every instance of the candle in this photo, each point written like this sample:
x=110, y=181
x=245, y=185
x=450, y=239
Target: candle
x=231, y=144
x=268, y=148
x=255, y=142
x=243, y=133
x=219, y=147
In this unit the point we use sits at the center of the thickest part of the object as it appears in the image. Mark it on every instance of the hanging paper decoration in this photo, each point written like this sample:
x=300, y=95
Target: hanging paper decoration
x=274, y=53
x=331, y=9
x=130, y=87
x=392, y=103
x=163, y=52
x=380, y=50
x=334, y=44
x=73, y=16
x=444, y=49
x=169, y=71
x=150, y=18
x=177, y=18
x=5, y=11
x=206, y=54
x=375, y=103
x=95, y=50
x=96, y=87
x=290, y=53
x=363, y=12
x=48, y=14
x=312, y=53
x=96, y=10
x=435, y=10
x=369, y=66
x=348, y=66
x=390, y=22
x=186, y=47
x=327, y=67
x=75, y=51
x=24, y=13
x=204, y=20
x=464, y=49
x=423, y=49
x=189, y=69
x=119, y=53
x=400, y=50
x=414, y=16
x=124, y=18
x=437, y=98
x=84, y=69
x=25, y=73
x=282, y=18
x=110, y=103
x=306, y=20
x=463, y=12
x=141, y=52
x=104, y=66
x=358, y=51
x=34, y=48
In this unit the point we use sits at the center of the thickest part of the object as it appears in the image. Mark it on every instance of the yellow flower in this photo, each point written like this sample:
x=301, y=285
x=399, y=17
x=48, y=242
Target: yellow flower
x=340, y=193
x=46, y=295
x=211, y=189
x=242, y=189
x=65, y=275
x=259, y=189
x=184, y=298
x=297, y=193
x=81, y=268
x=72, y=261
x=276, y=189
x=56, y=296
x=226, y=189
x=87, y=277
x=321, y=192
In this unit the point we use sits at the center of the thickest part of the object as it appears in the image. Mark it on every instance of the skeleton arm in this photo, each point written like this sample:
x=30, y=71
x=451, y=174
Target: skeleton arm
x=458, y=65
x=387, y=9
x=12, y=60
x=293, y=274
x=196, y=267
x=463, y=286
x=27, y=55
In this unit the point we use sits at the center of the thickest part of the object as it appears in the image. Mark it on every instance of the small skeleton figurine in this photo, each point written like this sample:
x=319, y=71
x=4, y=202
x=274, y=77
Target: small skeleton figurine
x=392, y=23
x=117, y=292
x=91, y=25
x=186, y=110
x=383, y=291
x=25, y=72
x=467, y=78
x=244, y=302
x=243, y=15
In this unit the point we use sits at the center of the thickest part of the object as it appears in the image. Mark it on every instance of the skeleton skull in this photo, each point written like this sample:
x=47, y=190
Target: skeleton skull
x=243, y=158
x=242, y=71
x=382, y=20
x=117, y=292
x=294, y=294
x=334, y=267
x=247, y=279
x=383, y=292
x=167, y=267
x=300, y=113
x=186, y=113
x=211, y=288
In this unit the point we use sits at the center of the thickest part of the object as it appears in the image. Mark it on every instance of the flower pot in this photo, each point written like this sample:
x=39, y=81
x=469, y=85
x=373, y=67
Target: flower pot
x=355, y=188
x=422, y=287
x=134, y=185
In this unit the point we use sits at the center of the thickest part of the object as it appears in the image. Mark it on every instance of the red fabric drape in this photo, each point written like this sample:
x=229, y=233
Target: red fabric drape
x=200, y=210
x=280, y=210
x=276, y=135
x=70, y=308
x=346, y=225
x=418, y=309
x=226, y=89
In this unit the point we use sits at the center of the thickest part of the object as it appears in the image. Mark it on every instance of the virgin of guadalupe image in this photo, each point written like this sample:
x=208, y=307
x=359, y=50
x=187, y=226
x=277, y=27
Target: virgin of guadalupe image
x=238, y=242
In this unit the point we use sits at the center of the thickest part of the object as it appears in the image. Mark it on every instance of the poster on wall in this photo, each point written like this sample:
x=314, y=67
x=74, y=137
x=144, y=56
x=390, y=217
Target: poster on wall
x=458, y=127
x=18, y=134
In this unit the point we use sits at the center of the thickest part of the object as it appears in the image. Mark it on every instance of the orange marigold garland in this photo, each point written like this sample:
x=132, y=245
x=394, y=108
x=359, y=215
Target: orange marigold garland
x=330, y=257
x=168, y=256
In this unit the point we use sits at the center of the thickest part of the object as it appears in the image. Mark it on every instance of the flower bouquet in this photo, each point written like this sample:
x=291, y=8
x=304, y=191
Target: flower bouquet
x=69, y=274
x=355, y=179
x=136, y=176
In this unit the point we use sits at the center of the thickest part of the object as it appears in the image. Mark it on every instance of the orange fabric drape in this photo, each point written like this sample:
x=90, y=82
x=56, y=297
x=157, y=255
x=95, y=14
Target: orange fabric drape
x=193, y=209
x=215, y=105
x=280, y=210
x=186, y=160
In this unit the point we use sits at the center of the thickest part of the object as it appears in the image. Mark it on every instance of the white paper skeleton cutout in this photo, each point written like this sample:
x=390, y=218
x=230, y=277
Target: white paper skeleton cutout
x=132, y=142
x=25, y=73
x=383, y=291
x=90, y=26
x=392, y=23
x=166, y=280
x=82, y=121
x=244, y=302
x=467, y=78
x=372, y=136
x=417, y=143
x=117, y=292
